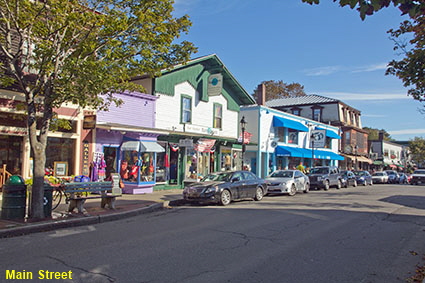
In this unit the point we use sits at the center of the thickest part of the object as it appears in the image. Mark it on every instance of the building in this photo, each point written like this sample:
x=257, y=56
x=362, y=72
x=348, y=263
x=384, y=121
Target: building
x=354, y=140
x=390, y=155
x=197, y=110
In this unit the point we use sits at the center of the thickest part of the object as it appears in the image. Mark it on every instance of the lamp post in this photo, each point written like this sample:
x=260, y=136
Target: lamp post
x=312, y=149
x=355, y=156
x=243, y=125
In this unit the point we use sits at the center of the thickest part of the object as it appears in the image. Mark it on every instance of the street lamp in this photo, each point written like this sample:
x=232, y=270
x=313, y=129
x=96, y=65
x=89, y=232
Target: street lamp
x=355, y=156
x=312, y=149
x=243, y=125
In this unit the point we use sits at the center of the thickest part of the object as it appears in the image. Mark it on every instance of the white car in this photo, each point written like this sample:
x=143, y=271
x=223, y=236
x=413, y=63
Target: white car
x=418, y=177
x=287, y=181
x=380, y=177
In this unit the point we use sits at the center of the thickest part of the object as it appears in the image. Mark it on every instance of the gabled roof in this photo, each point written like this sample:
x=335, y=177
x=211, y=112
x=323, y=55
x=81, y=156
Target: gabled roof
x=300, y=100
x=195, y=72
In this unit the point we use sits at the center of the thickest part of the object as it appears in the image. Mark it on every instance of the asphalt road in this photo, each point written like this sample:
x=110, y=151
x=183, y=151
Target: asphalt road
x=363, y=234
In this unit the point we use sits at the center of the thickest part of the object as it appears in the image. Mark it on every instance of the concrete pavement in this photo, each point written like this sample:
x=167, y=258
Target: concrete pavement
x=126, y=206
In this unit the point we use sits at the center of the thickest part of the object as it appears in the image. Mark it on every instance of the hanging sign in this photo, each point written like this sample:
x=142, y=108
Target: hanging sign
x=186, y=143
x=318, y=138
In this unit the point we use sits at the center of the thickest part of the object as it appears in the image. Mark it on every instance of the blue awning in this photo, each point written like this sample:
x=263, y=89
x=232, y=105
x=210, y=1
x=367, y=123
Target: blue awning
x=322, y=154
x=288, y=123
x=288, y=151
x=330, y=134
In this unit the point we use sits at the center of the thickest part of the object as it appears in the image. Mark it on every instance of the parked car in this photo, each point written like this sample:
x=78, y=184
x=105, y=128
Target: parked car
x=392, y=176
x=418, y=177
x=363, y=178
x=325, y=177
x=223, y=187
x=348, y=179
x=403, y=178
x=380, y=177
x=287, y=181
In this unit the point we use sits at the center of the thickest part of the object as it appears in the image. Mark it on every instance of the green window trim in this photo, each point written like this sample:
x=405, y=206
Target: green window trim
x=215, y=106
x=184, y=96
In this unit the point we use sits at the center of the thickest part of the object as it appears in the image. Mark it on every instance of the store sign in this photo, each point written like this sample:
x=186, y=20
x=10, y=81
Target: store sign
x=318, y=139
x=215, y=84
x=201, y=130
x=186, y=143
x=89, y=122
x=86, y=162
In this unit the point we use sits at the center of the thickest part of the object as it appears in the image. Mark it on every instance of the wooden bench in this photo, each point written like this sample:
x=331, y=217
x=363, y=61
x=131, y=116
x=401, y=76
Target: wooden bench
x=77, y=194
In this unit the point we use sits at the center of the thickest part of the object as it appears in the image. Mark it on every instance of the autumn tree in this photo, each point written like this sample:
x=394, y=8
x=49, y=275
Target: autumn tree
x=81, y=51
x=280, y=89
x=417, y=150
x=373, y=134
x=410, y=69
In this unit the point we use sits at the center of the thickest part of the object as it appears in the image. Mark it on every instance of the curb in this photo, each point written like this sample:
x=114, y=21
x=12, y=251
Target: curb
x=90, y=220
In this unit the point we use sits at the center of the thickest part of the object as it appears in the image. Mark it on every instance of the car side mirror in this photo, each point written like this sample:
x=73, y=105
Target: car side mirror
x=236, y=179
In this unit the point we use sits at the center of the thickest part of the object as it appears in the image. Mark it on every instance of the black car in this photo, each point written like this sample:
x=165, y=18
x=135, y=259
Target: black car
x=348, y=179
x=363, y=178
x=223, y=187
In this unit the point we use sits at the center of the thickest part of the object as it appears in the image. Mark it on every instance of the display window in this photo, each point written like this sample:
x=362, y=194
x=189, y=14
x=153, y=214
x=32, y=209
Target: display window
x=292, y=136
x=60, y=151
x=137, y=166
x=162, y=165
x=10, y=153
x=226, y=159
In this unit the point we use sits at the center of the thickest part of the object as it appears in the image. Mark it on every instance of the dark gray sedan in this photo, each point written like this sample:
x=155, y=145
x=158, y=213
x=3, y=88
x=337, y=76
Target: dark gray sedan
x=223, y=187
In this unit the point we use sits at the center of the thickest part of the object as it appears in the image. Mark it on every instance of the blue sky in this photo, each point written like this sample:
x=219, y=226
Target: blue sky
x=326, y=48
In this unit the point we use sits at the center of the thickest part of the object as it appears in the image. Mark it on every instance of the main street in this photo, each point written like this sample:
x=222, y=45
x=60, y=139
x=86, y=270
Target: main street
x=363, y=234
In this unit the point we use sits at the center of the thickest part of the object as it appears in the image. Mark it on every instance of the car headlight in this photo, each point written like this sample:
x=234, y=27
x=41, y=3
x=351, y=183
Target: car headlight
x=211, y=189
x=283, y=183
x=362, y=178
x=319, y=178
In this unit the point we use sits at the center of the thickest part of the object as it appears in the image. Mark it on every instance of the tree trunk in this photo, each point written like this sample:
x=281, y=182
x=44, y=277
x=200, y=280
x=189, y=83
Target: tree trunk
x=37, y=195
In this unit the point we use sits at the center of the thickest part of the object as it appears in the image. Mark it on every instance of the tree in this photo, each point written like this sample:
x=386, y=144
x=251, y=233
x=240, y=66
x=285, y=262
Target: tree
x=373, y=134
x=279, y=89
x=417, y=150
x=411, y=69
x=81, y=52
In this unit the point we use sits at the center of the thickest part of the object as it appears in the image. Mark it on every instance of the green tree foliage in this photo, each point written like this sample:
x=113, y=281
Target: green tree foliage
x=373, y=134
x=81, y=52
x=411, y=69
x=279, y=89
x=417, y=150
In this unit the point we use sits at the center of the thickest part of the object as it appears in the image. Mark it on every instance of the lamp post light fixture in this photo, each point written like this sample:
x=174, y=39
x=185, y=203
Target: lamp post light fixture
x=243, y=125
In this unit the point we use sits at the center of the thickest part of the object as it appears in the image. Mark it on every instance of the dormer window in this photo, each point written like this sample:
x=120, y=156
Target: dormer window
x=296, y=111
x=317, y=113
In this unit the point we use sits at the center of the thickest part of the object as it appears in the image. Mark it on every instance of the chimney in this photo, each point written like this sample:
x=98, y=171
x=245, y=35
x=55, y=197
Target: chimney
x=261, y=94
x=381, y=136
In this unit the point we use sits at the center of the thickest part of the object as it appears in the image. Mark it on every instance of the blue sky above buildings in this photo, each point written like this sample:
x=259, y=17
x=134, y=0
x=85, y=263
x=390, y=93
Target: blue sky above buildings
x=326, y=48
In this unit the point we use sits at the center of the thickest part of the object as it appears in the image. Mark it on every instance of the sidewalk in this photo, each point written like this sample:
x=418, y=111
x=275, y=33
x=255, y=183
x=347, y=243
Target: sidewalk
x=126, y=206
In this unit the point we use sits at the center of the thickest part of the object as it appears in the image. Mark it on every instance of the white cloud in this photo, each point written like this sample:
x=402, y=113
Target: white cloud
x=322, y=71
x=371, y=68
x=350, y=96
x=407, y=132
x=374, y=116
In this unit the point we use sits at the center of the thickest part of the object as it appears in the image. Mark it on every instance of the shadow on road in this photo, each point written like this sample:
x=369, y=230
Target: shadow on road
x=410, y=201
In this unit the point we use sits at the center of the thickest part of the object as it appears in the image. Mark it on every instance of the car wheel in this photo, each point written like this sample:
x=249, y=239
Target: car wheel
x=293, y=190
x=258, y=194
x=225, y=197
x=339, y=185
x=326, y=185
x=355, y=183
x=306, y=188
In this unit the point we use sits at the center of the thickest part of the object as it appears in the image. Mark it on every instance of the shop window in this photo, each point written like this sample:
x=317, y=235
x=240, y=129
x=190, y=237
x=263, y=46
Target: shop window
x=137, y=166
x=292, y=136
x=186, y=109
x=60, y=150
x=386, y=153
x=226, y=159
x=10, y=153
x=218, y=116
x=280, y=134
x=162, y=163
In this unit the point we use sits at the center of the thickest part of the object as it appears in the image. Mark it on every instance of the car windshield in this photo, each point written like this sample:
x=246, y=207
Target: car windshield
x=359, y=173
x=419, y=172
x=282, y=174
x=218, y=177
x=378, y=174
x=319, y=171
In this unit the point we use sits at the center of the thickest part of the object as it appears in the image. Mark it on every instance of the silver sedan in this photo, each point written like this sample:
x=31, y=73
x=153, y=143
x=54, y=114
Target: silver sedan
x=287, y=181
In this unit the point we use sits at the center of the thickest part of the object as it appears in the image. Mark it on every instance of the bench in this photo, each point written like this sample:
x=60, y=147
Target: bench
x=74, y=194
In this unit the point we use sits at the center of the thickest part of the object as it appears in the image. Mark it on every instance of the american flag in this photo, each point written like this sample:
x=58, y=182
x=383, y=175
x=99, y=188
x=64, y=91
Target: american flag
x=204, y=145
x=246, y=137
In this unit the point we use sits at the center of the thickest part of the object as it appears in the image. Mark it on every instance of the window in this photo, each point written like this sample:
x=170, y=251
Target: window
x=186, y=109
x=296, y=111
x=218, y=116
x=292, y=136
x=317, y=114
x=280, y=134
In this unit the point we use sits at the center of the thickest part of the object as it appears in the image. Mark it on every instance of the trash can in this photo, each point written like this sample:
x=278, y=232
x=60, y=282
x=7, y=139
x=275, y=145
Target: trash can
x=47, y=200
x=14, y=200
